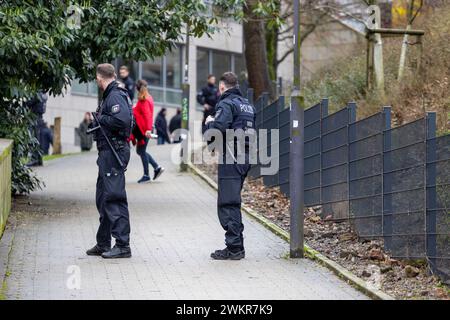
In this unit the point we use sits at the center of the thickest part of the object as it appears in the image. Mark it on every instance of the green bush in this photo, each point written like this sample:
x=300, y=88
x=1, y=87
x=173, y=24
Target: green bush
x=40, y=50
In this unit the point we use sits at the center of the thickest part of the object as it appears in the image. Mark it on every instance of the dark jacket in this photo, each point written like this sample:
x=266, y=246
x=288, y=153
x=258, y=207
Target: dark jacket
x=85, y=139
x=233, y=112
x=161, y=126
x=129, y=85
x=38, y=104
x=208, y=95
x=175, y=123
x=115, y=116
x=45, y=139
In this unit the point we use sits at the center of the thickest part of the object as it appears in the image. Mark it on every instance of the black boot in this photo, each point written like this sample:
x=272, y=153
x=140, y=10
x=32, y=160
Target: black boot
x=117, y=252
x=97, y=251
x=227, y=254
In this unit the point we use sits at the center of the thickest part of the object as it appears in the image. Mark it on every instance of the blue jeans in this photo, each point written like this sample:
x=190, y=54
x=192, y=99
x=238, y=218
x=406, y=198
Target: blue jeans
x=146, y=157
x=161, y=140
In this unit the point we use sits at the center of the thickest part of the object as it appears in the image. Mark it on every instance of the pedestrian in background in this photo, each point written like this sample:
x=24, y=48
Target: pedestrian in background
x=208, y=98
x=175, y=124
x=142, y=131
x=37, y=105
x=86, y=140
x=161, y=127
x=46, y=138
x=124, y=74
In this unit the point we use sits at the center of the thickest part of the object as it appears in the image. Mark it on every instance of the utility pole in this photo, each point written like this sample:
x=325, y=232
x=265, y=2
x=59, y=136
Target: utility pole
x=185, y=101
x=296, y=155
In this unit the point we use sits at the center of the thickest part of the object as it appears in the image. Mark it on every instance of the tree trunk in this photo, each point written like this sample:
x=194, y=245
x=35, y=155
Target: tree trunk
x=255, y=52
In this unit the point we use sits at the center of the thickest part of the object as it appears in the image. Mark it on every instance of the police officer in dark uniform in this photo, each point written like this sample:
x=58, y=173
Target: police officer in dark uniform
x=233, y=112
x=115, y=118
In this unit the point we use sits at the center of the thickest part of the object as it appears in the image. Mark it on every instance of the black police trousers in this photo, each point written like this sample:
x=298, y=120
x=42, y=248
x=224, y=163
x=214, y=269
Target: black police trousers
x=231, y=179
x=111, y=199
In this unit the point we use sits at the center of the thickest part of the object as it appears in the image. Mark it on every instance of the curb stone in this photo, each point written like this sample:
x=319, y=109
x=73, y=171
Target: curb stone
x=312, y=254
x=6, y=245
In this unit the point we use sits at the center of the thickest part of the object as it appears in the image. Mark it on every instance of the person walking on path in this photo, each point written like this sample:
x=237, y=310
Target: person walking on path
x=234, y=112
x=86, y=140
x=111, y=133
x=46, y=138
x=161, y=127
x=175, y=124
x=142, y=131
x=208, y=98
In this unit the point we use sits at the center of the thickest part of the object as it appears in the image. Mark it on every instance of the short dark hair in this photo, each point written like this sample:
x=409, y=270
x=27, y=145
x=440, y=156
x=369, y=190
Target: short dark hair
x=210, y=76
x=229, y=79
x=106, y=70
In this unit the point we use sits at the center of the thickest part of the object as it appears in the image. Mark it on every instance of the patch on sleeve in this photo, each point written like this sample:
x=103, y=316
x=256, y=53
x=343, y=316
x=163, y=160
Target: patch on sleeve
x=115, y=109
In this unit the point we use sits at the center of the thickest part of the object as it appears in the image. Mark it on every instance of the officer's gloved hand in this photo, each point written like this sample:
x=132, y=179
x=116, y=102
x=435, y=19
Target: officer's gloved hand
x=93, y=124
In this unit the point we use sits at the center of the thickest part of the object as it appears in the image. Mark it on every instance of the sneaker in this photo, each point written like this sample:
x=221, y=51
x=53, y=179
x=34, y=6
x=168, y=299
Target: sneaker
x=226, y=254
x=117, y=252
x=158, y=172
x=96, y=251
x=144, y=179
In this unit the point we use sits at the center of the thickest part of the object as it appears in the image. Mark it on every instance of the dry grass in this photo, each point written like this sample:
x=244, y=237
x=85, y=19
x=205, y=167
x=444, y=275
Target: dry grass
x=418, y=92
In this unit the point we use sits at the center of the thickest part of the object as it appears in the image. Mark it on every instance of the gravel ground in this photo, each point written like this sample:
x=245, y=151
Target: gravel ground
x=337, y=241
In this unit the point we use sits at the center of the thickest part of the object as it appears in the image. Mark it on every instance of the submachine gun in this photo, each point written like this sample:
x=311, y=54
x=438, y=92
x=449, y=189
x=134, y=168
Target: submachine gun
x=99, y=127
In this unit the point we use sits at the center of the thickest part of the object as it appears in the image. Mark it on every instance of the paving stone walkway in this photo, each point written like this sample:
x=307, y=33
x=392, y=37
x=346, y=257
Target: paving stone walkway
x=174, y=229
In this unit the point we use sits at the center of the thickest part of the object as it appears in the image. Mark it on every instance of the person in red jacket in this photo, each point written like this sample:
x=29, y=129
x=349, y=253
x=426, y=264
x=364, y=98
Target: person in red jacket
x=143, y=114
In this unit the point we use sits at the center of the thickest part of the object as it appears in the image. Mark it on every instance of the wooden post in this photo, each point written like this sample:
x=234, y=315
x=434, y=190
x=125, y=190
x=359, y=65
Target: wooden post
x=378, y=57
x=57, y=136
x=419, y=61
x=369, y=70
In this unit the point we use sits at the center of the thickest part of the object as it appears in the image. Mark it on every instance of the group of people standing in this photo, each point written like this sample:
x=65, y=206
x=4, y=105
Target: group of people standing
x=114, y=118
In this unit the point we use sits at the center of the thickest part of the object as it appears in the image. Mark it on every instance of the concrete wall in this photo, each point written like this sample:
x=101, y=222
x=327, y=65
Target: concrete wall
x=5, y=181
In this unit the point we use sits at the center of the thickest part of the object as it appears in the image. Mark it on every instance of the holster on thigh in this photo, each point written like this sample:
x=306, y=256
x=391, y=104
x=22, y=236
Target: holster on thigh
x=114, y=185
x=229, y=191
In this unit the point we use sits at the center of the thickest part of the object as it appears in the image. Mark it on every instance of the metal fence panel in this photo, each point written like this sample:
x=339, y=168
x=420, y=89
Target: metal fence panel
x=388, y=182
x=283, y=173
x=404, y=189
x=312, y=133
x=438, y=204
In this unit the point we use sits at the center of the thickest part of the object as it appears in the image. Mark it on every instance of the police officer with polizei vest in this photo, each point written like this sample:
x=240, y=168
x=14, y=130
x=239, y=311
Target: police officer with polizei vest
x=111, y=132
x=233, y=112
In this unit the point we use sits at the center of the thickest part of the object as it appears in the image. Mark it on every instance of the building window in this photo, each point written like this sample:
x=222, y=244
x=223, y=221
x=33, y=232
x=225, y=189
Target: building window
x=173, y=69
x=84, y=89
x=221, y=63
x=164, y=77
x=203, y=67
x=216, y=63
